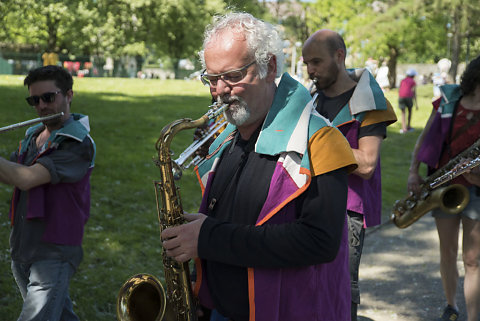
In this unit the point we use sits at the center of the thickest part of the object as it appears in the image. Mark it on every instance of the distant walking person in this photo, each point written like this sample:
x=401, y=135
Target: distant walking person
x=51, y=201
x=382, y=77
x=453, y=126
x=354, y=103
x=406, y=97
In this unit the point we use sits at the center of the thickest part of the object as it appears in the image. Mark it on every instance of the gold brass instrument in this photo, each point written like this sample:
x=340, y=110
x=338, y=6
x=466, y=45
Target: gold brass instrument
x=142, y=297
x=451, y=199
x=190, y=152
x=30, y=122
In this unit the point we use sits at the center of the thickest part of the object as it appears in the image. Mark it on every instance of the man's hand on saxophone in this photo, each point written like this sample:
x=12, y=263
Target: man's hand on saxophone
x=181, y=241
x=414, y=182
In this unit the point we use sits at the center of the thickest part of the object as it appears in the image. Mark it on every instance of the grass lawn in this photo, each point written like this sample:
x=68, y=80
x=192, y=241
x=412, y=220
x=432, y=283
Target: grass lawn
x=122, y=235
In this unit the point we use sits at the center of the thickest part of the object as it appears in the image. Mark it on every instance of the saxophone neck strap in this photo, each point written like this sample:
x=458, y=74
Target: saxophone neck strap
x=471, y=122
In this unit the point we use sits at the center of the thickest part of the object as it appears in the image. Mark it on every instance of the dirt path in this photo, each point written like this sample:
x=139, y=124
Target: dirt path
x=399, y=274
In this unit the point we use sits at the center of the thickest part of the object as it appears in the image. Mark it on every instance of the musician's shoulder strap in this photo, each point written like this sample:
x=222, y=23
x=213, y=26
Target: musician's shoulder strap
x=472, y=121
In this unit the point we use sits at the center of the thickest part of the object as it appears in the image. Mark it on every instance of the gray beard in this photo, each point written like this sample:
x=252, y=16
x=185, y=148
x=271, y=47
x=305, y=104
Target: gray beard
x=237, y=114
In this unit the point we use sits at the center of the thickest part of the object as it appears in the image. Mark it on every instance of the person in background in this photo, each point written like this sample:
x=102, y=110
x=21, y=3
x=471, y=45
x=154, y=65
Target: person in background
x=382, y=77
x=354, y=102
x=50, y=173
x=271, y=237
x=453, y=126
x=406, y=97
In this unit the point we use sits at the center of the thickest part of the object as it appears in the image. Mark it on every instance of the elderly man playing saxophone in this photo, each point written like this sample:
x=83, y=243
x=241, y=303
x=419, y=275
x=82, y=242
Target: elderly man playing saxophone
x=270, y=238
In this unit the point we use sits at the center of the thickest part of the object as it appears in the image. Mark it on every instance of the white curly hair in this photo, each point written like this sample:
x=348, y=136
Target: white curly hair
x=263, y=40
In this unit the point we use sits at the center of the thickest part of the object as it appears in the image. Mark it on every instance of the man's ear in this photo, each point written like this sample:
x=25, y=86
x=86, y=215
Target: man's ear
x=340, y=55
x=272, y=68
x=69, y=96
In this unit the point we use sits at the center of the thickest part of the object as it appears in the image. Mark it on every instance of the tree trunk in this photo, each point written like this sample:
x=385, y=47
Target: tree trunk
x=392, y=66
x=456, y=43
x=175, y=62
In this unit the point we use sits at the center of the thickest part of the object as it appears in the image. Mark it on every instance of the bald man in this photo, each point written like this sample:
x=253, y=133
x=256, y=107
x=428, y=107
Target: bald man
x=354, y=102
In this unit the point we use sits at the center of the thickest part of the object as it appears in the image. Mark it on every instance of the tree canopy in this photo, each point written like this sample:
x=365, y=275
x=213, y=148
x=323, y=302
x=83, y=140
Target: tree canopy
x=414, y=31
x=393, y=31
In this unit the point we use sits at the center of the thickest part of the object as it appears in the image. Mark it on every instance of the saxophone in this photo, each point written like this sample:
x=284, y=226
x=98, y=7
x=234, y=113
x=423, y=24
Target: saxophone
x=451, y=199
x=143, y=297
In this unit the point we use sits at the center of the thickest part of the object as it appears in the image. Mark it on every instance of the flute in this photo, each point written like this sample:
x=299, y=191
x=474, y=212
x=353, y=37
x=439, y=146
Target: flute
x=30, y=122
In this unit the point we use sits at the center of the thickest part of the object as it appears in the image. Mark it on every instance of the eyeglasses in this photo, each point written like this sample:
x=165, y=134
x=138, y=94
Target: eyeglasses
x=45, y=97
x=231, y=77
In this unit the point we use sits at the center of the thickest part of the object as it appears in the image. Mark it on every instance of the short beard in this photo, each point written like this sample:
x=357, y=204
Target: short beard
x=57, y=122
x=53, y=122
x=239, y=113
x=329, y=79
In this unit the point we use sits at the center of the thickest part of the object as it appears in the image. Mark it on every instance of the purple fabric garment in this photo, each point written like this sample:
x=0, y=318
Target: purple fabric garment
x=431, y=148
x=281, y=188
x=65, y=207
x=300, y=288
x=319, y=292
x=364, y=196
x=68, y=213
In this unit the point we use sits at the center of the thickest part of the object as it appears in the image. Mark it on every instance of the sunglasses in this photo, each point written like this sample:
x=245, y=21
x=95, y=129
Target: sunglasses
x=230, y=77
x=45, y=97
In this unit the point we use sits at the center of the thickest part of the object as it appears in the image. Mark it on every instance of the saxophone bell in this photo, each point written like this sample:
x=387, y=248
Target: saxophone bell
x=450, y=199
x=141, y=298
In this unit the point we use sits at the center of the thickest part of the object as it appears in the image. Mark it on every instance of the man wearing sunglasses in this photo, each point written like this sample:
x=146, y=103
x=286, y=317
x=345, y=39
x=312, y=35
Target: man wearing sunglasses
x=51, y=201
x=270, y=238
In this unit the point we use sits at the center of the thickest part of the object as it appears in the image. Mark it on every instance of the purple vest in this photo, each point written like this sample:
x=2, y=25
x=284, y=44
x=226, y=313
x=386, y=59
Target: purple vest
x=318, y=292
x=364, y=196
x=65, y=207
x=432, y=145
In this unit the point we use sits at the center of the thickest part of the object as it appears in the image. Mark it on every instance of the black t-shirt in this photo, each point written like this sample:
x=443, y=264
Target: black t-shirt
x=329, y=107
x=232, y=173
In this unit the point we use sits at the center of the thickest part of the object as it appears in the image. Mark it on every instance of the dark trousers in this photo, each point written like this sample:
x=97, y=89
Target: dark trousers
x=356, y=235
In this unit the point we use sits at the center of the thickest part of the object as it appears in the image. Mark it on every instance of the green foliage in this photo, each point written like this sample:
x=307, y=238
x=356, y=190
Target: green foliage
x=404, y=30
x=176, y=27
x=334, y=14
x=251, y=6
x=171, y=28
x=409, y=31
